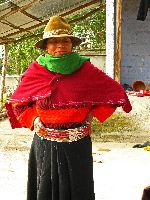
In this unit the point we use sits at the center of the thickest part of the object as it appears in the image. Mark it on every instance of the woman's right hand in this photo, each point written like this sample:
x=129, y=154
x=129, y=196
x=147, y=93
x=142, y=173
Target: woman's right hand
x=37, y=124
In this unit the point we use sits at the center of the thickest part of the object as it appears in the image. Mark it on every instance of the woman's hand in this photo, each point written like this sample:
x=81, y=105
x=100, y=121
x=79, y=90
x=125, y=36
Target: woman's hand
x=37, y=124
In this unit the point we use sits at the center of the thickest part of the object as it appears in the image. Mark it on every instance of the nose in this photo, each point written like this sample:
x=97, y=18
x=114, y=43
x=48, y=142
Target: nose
x=60, y=44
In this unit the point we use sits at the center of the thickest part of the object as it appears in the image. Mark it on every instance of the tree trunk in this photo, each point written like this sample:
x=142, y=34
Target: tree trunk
x=3, y=76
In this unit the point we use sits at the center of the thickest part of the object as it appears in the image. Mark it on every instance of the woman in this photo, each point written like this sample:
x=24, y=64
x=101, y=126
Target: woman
x=57, y=97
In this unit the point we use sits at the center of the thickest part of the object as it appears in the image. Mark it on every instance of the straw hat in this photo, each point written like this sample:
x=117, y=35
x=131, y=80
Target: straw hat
x=57, y=27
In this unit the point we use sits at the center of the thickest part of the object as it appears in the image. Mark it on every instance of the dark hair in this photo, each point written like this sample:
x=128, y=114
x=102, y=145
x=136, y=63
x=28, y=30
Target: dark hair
x=45, y=43
x=146, y=193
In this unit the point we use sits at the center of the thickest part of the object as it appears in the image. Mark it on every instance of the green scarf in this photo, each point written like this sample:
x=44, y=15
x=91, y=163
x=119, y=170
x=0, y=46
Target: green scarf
x=65, y=64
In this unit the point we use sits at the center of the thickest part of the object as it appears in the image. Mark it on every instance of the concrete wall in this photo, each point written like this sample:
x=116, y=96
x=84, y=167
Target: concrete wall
x=135, y=62
x=11, y=83
x=97, y=59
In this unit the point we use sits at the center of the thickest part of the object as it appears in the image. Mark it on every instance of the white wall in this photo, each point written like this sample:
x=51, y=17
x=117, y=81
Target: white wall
x=110, y=38
x=97, y=59
x=99, y=62
x=135, y=62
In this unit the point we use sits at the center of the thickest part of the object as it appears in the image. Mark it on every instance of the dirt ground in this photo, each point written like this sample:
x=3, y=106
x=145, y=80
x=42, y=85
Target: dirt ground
x=120, y=171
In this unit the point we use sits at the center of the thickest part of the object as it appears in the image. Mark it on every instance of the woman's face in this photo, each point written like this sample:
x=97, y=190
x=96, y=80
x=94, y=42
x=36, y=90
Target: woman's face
x=59, y=46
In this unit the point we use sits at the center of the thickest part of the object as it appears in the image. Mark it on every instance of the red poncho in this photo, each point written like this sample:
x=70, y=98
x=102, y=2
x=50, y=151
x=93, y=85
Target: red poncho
x=88, y=86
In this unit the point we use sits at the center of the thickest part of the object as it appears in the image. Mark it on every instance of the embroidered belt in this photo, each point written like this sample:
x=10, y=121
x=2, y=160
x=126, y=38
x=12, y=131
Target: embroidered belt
x=68, y=135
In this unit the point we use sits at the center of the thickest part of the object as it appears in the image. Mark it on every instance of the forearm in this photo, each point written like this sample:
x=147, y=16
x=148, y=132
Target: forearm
x=103, y=112
x=25, y=114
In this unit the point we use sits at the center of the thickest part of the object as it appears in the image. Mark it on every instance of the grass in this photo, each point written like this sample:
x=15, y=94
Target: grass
x=118, y=122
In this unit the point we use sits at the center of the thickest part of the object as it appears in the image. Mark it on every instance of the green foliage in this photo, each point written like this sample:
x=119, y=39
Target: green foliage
x=21, y=55
x=92, y=28
x=3, y=1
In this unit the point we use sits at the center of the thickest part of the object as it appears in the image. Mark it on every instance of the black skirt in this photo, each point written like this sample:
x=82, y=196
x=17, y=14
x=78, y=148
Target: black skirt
x=60, y=170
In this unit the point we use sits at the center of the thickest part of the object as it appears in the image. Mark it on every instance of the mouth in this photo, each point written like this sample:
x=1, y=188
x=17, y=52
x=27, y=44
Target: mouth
x=60, y=52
